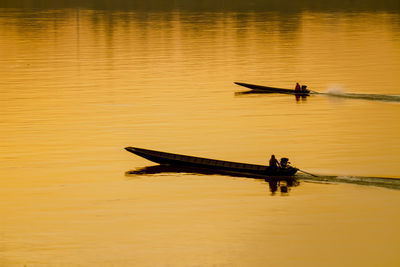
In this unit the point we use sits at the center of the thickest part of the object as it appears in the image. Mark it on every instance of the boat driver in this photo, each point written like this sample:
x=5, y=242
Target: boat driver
x=297, y=89
x=273, y=163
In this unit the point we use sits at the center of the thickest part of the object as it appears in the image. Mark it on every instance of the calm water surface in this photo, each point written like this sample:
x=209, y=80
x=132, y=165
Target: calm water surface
x=77, y=85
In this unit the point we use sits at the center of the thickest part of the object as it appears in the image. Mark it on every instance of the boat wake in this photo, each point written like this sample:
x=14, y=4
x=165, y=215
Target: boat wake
x=392, y=183
x=337, y=92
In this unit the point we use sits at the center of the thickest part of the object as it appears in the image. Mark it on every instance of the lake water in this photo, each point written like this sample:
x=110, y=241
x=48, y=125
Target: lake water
x=80, y=82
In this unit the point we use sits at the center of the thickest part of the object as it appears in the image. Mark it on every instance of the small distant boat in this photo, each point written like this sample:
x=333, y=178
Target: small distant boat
x=219, y=166
x=267, y=89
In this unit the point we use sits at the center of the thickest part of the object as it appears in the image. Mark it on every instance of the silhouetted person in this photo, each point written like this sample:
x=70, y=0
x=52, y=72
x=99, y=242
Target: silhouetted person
x=297, y=89
x=273, y=164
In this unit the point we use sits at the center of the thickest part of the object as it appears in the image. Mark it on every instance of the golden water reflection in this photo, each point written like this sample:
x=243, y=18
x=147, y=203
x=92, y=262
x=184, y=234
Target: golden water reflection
x=79, y=85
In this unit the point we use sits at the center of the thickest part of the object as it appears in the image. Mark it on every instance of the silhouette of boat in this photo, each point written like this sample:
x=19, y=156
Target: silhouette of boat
x=267, y=89
x=216, y=166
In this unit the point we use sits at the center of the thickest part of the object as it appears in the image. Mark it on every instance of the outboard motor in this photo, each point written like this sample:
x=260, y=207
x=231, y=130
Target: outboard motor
x=284, y=162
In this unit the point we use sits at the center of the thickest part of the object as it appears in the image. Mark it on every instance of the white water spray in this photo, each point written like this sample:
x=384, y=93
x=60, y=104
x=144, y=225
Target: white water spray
x=335, y=90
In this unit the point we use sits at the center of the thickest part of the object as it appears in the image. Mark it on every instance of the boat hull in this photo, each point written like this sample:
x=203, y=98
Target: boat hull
x=267, y=89
x=228, y=167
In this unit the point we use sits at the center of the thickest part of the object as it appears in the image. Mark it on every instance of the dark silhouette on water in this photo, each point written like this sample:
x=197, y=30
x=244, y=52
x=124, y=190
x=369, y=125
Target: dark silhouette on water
x=297, y=89
x=159, y=169
x=268, y=89
x=274, y=182
x=281, y=184
x=301, y=92
x=178, y=163
x=273, y=163
x=297, y=97
x=221, y=166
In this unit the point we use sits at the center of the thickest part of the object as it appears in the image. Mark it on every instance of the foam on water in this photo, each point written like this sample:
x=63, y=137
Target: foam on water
x=335, y=90
x=393, y=183
x=338, y=91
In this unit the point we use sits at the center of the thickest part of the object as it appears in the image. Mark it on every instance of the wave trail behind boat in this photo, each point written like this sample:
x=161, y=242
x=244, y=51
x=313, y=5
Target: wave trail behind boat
x=372, y=97
x=392, y=183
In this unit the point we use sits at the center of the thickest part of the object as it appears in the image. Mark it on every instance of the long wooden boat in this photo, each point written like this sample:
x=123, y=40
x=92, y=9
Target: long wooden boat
x=267, y=89
x=228, y=167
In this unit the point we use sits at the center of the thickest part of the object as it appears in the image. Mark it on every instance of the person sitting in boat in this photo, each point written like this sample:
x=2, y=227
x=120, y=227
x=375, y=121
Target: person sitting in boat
x=297, y=89
x=273, y=163
x=304, y=89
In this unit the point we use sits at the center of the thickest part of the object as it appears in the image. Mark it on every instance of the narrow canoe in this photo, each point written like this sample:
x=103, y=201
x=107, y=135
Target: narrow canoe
x=211, y=164
x=268, y=89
